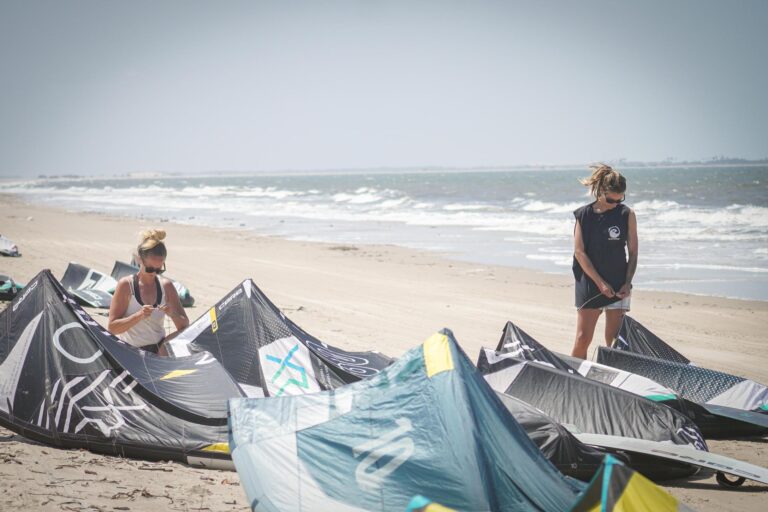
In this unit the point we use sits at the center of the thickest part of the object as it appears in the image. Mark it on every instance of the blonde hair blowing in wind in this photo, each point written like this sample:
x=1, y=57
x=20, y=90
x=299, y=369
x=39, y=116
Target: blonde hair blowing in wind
x=152, y=243
x=604, y=179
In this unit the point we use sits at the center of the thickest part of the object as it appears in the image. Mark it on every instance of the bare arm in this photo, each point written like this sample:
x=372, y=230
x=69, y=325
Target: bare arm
x=173, y=308
x=586, y=263
x=117, y=308
x=632, y=251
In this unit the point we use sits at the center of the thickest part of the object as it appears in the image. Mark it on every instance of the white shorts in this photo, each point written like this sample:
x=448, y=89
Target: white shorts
x=622, y=304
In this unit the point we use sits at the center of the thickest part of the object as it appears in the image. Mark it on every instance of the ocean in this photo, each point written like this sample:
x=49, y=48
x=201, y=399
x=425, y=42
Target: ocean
x=702, y=230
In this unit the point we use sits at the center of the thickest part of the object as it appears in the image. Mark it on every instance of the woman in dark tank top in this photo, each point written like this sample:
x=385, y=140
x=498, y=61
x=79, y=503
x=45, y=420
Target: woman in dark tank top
x=604, y=257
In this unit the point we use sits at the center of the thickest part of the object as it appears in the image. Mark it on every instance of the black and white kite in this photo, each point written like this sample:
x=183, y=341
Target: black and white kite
x=66, y=381
x=89, y=287
x=268, y=354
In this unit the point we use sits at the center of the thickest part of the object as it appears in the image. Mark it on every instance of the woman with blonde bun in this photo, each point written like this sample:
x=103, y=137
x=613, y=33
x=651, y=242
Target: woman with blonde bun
x=604, y=257
x=141, y=301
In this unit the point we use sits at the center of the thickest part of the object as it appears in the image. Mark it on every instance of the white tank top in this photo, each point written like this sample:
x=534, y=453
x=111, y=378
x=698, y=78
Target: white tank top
x=148, y=331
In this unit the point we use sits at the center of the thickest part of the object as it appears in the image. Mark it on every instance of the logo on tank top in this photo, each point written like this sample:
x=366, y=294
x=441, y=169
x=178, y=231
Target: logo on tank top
x=614, y=233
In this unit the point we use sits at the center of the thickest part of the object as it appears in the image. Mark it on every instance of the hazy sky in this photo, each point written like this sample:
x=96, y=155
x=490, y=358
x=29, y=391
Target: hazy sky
x=118, y=86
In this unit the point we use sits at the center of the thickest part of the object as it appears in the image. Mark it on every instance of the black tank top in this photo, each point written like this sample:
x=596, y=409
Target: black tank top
x=605, y=241
x=137, y=293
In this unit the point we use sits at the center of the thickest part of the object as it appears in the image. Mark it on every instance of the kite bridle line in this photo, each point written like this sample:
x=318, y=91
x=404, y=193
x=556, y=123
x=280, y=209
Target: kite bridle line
x=593, y=298
x=581, y=307
x=588, y=301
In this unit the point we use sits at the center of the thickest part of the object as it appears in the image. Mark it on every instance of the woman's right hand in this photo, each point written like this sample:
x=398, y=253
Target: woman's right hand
x=145, y=311
x=607, y=290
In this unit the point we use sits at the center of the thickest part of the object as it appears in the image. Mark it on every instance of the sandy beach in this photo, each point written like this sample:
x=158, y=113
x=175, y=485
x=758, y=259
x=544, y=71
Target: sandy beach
x=357, y=297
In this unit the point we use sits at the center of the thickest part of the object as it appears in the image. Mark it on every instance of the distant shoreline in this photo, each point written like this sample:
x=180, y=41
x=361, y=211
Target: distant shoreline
x=384, y=170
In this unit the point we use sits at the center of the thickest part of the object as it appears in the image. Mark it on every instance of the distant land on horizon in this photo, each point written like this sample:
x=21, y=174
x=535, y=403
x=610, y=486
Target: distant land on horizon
x=718, y=161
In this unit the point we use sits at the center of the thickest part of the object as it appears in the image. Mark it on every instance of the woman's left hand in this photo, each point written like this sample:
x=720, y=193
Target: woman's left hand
x=624, y=291
x=165, y=308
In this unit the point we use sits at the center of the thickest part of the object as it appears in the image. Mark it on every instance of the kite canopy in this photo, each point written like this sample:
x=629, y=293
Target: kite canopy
x=719, y=388
x=617, y=487
x=593, y=407
x=568, y=454
x=738, y=403
x=426, y=425
x=517, y=343
x=589, y=405
x=634, y=337
x=713, y=421
x=8, y=248
x=66, y=381
x=722, y=418
x=9, y=288
x=268, y=354
x=89, y=287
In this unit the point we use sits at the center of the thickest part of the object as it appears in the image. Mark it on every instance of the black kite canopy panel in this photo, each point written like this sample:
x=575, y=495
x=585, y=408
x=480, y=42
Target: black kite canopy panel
x=88, y=286
x=520, y=344
x=592, y=407
x=695, y=383
x=588, y=405
x=268, y=354
x=568, y=454
x=635, y=337
x=739, y=404
x=66, y=381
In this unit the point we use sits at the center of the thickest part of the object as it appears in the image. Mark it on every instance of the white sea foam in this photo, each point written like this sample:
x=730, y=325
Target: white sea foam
x=700, y=266
x=453, y=207
x=269, y=192
x=557, y=260
x=654, y=205
x=363, y=195
x=548, y=207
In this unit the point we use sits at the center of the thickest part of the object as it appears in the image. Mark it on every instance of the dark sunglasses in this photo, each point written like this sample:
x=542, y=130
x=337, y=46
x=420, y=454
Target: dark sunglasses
x=153, y=270
x=614, y=201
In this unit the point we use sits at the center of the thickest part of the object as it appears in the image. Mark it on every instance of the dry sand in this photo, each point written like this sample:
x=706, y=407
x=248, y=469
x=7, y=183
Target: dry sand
x=365, y=297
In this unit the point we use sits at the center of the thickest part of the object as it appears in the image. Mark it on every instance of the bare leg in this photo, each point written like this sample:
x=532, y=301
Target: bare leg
x=585, y=328
x=613, y=319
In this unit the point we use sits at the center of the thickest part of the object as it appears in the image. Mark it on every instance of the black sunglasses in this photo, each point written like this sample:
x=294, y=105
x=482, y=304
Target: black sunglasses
x=153, y=270
x=614, y=201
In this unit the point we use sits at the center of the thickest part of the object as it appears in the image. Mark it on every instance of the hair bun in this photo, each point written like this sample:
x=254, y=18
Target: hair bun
x=152, y=243
x=604, y=178
x=157, y=235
